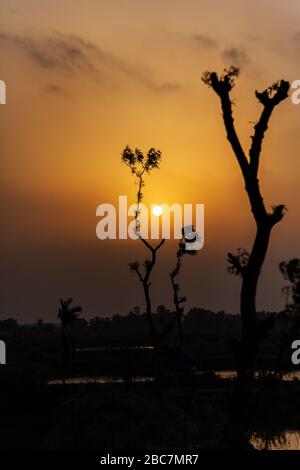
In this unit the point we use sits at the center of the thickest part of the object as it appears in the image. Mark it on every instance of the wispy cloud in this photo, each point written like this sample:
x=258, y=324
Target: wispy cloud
x=296, y=38
x=54, y=89
x=74, y=54
x=206, y=41
x=235, y=56
x=68, y=53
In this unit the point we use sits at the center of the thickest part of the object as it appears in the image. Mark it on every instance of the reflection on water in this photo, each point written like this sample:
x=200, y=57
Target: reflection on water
x=100, y=379
x=276, y=440
x=284, y=439
x=103, y=379
x=231, y=374
x=115, y=348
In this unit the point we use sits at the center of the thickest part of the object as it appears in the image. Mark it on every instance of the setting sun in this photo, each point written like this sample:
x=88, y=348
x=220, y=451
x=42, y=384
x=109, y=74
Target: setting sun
x=157, y=210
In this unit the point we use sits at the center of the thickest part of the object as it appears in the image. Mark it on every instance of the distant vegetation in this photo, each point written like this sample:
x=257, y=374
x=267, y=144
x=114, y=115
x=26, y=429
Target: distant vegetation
x=207, y=339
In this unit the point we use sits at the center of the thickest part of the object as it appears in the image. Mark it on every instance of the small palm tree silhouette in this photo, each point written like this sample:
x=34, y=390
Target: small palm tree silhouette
x=67, y=315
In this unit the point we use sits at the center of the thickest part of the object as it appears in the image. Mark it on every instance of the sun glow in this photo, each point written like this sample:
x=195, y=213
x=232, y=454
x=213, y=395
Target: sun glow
x=157, y=210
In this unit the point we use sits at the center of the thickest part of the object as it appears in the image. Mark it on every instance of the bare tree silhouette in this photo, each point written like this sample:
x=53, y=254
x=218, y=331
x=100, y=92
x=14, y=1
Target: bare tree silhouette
x=177, y=298
x=145, y=280
x=265, y=221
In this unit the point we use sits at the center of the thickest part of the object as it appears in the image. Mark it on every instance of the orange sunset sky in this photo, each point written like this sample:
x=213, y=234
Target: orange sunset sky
x=86, y=78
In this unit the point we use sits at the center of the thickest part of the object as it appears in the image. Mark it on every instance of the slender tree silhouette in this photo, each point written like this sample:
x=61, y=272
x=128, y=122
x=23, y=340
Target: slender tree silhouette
x=145, y=280
x=140, y=165
x=265, y=221
x=177, y=298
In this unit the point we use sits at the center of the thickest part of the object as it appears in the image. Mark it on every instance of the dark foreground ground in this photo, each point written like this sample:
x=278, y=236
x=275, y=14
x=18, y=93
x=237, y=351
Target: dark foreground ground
x=194, y=412
x=140, y=416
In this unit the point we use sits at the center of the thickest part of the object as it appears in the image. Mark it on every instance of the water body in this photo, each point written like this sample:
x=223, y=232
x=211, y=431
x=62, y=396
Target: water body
x=100, y=379
x=282, y=439
x=231, y=374
x=104, y=379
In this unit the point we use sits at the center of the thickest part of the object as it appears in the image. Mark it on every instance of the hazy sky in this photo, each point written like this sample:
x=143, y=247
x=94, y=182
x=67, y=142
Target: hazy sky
x=86, y=78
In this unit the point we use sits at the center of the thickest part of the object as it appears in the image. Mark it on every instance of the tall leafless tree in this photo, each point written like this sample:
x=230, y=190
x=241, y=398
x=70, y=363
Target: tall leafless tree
x=265, y=221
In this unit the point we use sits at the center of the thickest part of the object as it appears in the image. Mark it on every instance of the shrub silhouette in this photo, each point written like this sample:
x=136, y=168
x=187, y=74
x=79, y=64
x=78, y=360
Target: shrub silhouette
x=289, y=321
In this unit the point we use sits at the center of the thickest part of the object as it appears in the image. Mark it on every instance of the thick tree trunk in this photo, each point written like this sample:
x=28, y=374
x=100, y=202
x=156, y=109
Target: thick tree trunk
x=248, y=300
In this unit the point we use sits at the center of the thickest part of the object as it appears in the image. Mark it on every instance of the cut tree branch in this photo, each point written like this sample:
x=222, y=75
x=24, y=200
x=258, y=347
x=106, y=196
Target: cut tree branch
x=269, y=98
